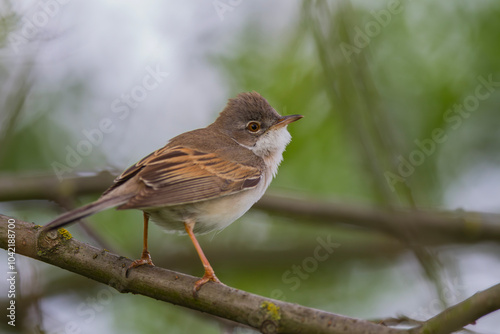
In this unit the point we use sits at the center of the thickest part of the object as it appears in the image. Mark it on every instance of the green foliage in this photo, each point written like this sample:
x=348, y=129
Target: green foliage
x=366, y=109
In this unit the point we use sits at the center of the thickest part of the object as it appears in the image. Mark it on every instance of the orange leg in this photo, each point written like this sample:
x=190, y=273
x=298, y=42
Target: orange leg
x=145, y=256
x=209, y=272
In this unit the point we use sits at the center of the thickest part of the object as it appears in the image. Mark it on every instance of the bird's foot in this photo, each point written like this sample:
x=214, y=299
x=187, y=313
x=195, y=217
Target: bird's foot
x=145, y=259
x=209, y=276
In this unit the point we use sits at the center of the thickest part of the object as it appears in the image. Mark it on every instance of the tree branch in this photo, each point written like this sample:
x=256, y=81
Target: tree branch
x=264, y=314
x=427, y=227
x=433, y=227
x=267, y=315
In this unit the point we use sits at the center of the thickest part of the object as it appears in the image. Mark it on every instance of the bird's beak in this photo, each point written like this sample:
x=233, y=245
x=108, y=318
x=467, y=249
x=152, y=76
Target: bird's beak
x=285, y=120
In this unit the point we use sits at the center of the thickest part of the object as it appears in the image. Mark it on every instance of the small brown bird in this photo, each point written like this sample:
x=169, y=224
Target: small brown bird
x=202, y=180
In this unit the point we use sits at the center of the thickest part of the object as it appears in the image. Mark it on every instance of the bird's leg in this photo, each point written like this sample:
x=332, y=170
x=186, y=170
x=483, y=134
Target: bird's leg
x=145, y=256
x=209, y=272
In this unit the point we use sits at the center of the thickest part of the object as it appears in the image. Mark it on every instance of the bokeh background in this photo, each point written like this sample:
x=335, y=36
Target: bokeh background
x=401, y=103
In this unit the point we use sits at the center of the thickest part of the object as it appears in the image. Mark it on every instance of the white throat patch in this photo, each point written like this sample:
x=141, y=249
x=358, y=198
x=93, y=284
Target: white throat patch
x=270, y=147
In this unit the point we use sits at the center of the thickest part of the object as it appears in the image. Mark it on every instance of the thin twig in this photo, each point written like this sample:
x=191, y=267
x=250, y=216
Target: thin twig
x=462, y=314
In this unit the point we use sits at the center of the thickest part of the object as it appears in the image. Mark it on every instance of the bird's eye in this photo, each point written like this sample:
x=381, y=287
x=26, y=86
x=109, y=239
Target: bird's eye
x=253, y=126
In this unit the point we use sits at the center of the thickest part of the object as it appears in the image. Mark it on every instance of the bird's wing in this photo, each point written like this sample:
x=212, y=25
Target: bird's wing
x=179, y=175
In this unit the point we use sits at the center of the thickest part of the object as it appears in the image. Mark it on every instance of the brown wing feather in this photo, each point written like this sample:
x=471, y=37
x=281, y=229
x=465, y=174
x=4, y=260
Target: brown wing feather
x=178, y=175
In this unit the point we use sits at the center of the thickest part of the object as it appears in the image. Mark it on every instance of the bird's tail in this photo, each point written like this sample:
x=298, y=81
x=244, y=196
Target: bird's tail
x=86, y=210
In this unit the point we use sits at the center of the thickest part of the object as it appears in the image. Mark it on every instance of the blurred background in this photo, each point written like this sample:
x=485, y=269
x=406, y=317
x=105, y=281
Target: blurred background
x=401, y=103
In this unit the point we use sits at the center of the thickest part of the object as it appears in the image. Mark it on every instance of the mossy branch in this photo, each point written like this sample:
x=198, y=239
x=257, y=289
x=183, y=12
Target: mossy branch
x=265, y=314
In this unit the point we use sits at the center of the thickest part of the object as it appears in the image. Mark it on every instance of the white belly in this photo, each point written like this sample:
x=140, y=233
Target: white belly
x=215, y=214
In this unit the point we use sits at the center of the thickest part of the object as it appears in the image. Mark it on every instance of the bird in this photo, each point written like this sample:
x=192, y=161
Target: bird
x=201, y=180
